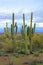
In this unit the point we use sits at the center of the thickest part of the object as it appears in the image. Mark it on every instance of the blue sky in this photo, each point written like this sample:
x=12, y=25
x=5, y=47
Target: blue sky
x=21, y=4
x=7, y=7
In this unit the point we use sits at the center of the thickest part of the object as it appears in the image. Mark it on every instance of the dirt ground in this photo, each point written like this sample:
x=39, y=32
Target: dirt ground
x=18, y=61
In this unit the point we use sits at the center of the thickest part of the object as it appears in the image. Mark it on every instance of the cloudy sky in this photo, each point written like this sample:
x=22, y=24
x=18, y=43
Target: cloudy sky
x=7, y=7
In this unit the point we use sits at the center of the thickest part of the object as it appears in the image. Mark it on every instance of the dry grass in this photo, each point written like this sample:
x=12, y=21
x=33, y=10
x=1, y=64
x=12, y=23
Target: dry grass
x=19, y=61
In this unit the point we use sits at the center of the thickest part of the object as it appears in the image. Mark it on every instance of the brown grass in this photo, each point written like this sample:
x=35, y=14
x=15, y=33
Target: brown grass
x=19, y=61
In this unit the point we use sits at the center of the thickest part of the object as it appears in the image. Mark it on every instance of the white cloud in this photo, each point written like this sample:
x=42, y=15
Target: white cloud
x=3, y=23
x=39, y=24
x=19, y=23
x=8, y=10
x=27, y=22
x=16, y=10
x=37, y=19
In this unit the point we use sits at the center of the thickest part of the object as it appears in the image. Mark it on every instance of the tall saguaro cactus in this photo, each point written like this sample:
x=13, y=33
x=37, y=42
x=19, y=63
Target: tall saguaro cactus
x=31, y=32
x=12, y=33
x=30, y=36
x=12, y=27
x=25, y=34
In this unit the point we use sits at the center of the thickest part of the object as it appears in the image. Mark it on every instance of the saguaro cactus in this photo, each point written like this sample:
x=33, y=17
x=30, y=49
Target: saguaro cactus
x=6, y=32
x=13, y=19
x=12, y=33
x=31, y=32
x=16, y=27
x=6, y=27
x=25, y=34
x=34, y=27
x=12, y=27
x=22, y=32
x=24, y=22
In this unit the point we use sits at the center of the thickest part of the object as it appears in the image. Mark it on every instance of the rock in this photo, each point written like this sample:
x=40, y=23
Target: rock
x=5, y=54
x=15, y=54
x=26, y=62
x=32, y=63
x=10, y=63
x=36, y=54
x=41, y=61
x=22, y=52
x=28, y=53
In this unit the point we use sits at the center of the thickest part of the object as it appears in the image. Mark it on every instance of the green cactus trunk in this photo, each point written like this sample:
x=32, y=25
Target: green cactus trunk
x=25, y=34
x=6, y=32
x=12, y=33
x=34, y=27
x=12, y=27
x=30, y=32
x=24, y=22
x=30, y=36
x=16, y=27
x=13, y=19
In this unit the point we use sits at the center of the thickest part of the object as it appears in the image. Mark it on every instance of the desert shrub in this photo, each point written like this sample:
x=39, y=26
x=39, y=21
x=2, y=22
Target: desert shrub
x=1, y=46
x=37, y=42
x=1, y=38
x=8, y=45
x=36, y=46
x=20, y=47
x=36, y=54
x=28, y=46
x=41, y=51
x=25, y=62
x=32, y=63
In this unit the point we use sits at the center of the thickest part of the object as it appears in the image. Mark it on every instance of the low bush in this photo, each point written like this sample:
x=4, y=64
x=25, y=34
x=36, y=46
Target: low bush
x=36, y=54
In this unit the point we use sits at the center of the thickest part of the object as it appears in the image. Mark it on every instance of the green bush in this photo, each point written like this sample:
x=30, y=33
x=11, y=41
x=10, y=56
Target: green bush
x=37, y=42
x=8, y=45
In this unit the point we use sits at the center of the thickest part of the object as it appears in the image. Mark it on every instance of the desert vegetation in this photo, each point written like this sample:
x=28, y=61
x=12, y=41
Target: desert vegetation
x=24, y=48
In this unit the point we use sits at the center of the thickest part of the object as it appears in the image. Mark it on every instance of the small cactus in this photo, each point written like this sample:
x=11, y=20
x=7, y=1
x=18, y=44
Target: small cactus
x=6, y=31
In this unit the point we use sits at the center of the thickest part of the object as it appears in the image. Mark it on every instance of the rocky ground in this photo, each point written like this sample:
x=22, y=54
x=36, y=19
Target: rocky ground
x=6, y=60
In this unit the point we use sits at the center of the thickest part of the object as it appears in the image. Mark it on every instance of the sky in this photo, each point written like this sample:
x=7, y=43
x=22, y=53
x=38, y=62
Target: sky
x=7, y=7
